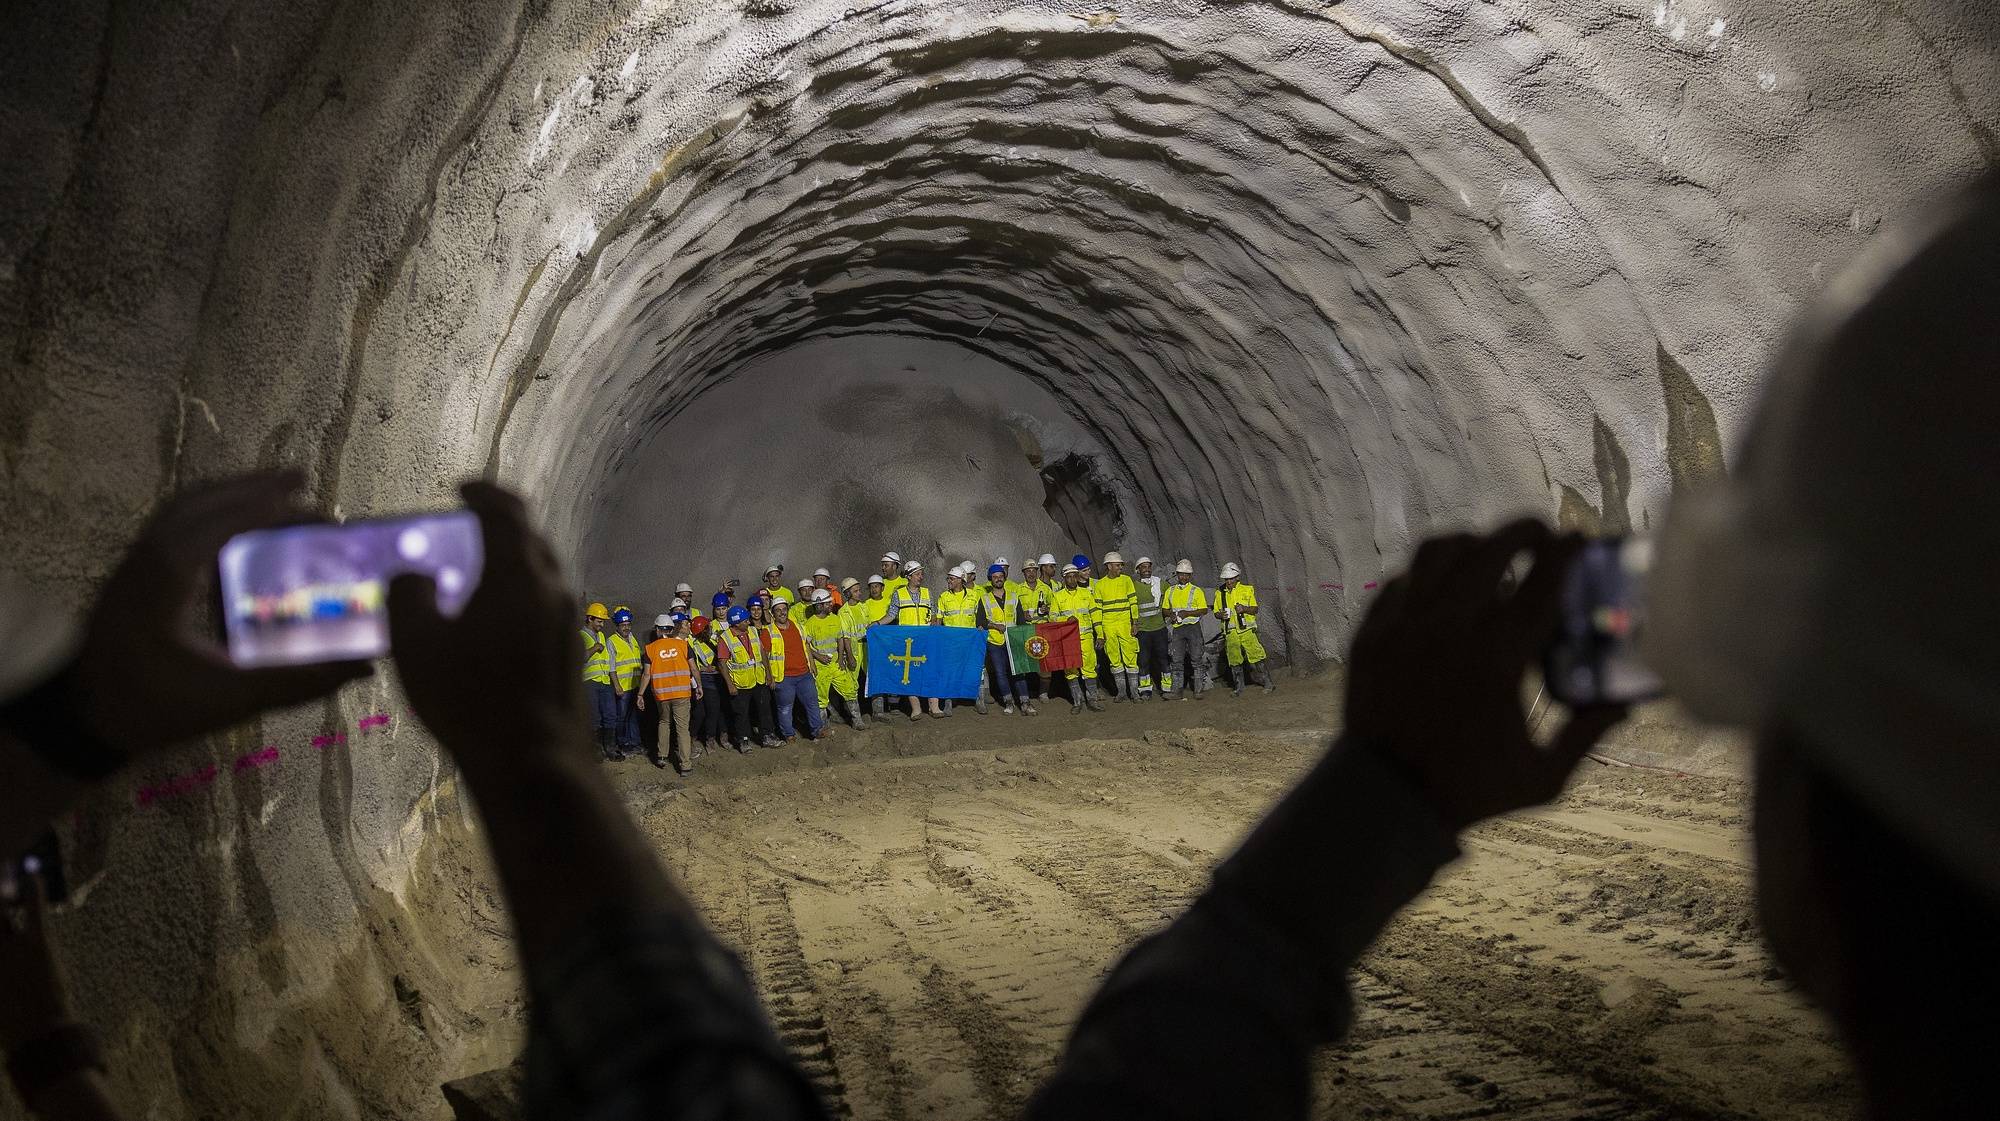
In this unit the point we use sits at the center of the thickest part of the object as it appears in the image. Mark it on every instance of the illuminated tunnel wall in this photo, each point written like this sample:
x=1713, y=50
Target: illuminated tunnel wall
x=1288, y=283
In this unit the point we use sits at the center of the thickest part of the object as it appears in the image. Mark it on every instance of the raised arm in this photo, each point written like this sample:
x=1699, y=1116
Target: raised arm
x=1217, y=1015
x=633, y=1004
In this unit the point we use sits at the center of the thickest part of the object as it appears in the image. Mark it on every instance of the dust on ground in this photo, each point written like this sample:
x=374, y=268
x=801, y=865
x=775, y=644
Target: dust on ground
x=925, y=908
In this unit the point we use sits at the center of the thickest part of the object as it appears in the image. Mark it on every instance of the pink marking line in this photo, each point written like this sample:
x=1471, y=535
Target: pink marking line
x=332, y=739
x=378, y=720
x=262, y=757
x=1370, y=584
x=177, y=786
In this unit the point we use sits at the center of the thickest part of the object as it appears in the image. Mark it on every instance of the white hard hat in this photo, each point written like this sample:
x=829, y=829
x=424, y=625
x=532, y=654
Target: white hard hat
x=1047, y=558
x=1142, y=561
x=913, y=566
x=894, y=557
x=1836, y=581
x=1071, y=570
x=664, y=622
x=679, y=604
x=847, y=582
x=822, y=572
x=877, y=579
x=1114, y=557
x=1230, y=571
x=822, y=596
x=805, y=583
x=684, y=589
x=773, y=568
x=1184, y=565
x=1002, y=562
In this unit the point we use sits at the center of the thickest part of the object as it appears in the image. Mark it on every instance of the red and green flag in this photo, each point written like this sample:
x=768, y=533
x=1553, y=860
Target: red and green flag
x=1044, y=648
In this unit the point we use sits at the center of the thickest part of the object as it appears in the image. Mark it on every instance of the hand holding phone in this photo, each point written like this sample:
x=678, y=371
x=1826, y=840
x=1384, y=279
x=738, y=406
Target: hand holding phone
x=1593, y=657
x=319, y=593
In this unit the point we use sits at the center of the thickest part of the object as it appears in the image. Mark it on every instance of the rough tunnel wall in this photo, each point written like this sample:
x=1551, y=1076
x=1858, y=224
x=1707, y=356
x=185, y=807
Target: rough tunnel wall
x=1369, y=269
x=857, y=445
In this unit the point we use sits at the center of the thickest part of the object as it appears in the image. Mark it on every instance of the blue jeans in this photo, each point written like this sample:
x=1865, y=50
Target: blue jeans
x=604, y=706
x=1006, y=687
x=628, y=720
x=803, y=690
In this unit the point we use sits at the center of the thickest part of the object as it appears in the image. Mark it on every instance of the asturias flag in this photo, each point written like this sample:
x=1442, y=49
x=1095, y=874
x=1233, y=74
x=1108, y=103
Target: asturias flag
x=926, y=661
x=1044, y=648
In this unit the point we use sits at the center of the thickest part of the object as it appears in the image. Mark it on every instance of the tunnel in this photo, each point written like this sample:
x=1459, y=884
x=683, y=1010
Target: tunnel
x=1283, y=283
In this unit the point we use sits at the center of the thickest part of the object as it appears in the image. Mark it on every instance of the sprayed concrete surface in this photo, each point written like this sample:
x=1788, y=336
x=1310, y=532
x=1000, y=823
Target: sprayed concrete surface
x=926, y=908
x=1312, y=280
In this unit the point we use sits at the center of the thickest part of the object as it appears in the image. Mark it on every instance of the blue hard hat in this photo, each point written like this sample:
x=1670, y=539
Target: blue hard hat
x=622, y=615
x=738, y=615
x=720, y=601
x=678, y=618
x=991, y=569
x=1080, y=561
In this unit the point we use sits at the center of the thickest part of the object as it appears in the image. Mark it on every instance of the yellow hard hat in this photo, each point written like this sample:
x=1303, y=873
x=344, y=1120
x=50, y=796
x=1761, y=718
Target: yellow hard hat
x=596, y=611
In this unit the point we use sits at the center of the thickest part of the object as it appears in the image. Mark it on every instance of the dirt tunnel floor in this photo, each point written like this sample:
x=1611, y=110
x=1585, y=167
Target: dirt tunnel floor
x=926, y=908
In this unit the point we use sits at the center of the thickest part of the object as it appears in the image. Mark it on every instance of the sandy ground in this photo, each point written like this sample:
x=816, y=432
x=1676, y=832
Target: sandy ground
x=926, y=907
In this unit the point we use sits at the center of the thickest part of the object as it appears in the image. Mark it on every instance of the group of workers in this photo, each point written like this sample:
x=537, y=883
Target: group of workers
x=759, y=673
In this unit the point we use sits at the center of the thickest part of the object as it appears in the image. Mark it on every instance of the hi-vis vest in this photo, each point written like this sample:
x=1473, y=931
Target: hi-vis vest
x=1242, y=597
x=703, y=654
x=774, y=651
x=1117, y=599
x=670, y=668
x=626, y=655
x=903, y=601
x=1006, y=611
x=596, y=657
x=1075, y=603
x=1035, y=598
x=743, y=658
x=1149, y=589
x=1186, y=597
x=823, y=635
x=854, y=620
x=959, y=609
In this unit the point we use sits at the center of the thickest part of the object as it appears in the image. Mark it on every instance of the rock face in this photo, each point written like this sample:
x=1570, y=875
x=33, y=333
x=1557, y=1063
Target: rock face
x=1309, y=281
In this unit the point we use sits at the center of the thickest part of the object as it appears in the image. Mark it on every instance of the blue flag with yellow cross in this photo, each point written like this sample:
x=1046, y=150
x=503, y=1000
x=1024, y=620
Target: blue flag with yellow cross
x=926, y=661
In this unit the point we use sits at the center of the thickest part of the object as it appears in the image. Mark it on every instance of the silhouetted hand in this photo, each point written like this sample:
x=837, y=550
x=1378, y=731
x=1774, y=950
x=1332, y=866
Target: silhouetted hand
x=36, y=1001
x=501, y=683
x=141, y=679
x=1434, y=679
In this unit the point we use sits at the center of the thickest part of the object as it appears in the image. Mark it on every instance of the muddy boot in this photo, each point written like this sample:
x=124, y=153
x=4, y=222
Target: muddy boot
x=1269, y=682
x=1132, y=687
x=1075, y=697
x=1090, y=696
x=854, y=717
x=940, y=708
x=1027, y=707
x=605, y=751
x=979, y=705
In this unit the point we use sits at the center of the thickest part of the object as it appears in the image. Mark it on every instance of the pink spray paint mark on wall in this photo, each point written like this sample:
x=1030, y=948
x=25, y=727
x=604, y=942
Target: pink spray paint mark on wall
x=377, y=720
x=262, y=757
x=332, y=739
x=1334, y=587
x=1368, y=586
x=177, y=786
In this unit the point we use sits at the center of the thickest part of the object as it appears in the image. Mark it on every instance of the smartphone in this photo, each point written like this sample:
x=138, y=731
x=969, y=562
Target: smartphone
x=44, y=859
x=1594, y=657
x=319, y=593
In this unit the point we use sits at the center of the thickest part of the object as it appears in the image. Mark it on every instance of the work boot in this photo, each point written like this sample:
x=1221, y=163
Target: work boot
x=979, y=704
x=1090, y=696
x=880, y=704
x=1264, y=671
x=743, y=748
x=1028, y=708
x=604, y=748
x=1075, y=697
x=1006, y=708
x=940, y=708
x=1236, y=685
x=1132, y=686
x=859, y=722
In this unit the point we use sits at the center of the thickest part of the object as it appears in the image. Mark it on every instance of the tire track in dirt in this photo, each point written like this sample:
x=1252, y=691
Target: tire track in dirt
x=777, y=964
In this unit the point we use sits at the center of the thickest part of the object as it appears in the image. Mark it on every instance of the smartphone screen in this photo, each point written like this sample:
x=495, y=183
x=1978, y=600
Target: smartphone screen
x=1594, y=657
x=319, y=593
x=44, y=859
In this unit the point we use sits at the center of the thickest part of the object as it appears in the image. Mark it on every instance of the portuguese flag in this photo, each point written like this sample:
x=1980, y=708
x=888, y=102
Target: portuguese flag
x=1044, y=648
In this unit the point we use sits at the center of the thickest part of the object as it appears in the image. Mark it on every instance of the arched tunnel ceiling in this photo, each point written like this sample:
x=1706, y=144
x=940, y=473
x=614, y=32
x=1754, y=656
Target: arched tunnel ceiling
x=1319, y=278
